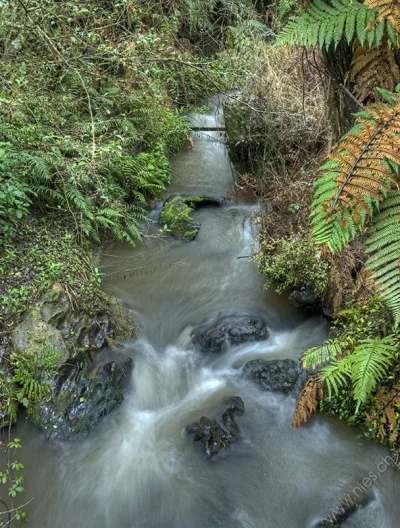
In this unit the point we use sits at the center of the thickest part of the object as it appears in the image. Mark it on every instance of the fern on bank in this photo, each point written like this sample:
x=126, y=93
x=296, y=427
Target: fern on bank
x=358, y=174
x=387, y=10
x=314, y=357
x=324, y=24
x=364, y=367
x=373, y=66
x=383, y=245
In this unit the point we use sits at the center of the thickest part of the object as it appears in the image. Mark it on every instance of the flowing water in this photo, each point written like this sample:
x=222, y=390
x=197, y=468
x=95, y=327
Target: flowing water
x=139, y=468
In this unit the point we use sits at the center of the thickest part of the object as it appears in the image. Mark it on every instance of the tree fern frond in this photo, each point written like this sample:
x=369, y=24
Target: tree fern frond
x=316, y=356
x=307, y=402
x=335, y=375
x=383, y=244
x=370, y=362
x=358, y=175
x=387, y=10
x=374, y=66
x=327, y=23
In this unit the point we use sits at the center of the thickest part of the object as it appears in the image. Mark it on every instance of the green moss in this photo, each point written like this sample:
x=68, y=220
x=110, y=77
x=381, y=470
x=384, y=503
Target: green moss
x=176, y=215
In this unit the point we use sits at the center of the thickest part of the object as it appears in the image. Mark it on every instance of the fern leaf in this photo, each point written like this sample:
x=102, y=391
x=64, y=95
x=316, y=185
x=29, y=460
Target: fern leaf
x=324, y=23
x=362, y=176
x=316, y=356
x=373, y=66
x=383, y=244
x=335, y=375
x=307, y=402
x=387, y=10
x=370, y=362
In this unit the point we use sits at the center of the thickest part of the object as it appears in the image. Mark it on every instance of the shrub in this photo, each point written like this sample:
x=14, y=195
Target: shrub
x=292, y=262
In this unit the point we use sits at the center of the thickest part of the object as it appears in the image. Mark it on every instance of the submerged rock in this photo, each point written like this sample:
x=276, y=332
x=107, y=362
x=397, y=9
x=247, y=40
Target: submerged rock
x=344, y=511
x=278, y=375
x=217, y=436
x=238, y=329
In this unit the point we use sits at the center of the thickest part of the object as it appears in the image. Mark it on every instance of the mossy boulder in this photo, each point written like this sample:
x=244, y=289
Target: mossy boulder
x=78, y=399
x=80, y=394
x=176, y=215
x=34, y=334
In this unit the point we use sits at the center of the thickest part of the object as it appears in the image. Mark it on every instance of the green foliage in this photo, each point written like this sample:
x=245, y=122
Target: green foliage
x=88, y=131
x=11, y=478
x=292, y=262
x=324, y=24
x=315, y=357
x=366, y=366
x=33, y=371
x=355, y=360
x=356, y=184
x=14, y=195
x=176, y=215
x=383, y=244
x=44, y=253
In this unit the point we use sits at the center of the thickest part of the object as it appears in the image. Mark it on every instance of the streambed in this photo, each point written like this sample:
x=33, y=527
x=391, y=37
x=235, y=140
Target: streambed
x=139, y=468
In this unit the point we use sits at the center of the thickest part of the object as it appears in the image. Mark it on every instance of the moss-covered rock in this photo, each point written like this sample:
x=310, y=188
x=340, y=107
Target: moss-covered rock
x=80, y=393
x=176, y=215
x=78, y=399
x=34, y=334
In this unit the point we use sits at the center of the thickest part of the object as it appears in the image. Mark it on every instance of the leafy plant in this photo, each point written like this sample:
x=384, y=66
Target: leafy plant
x=33, y=370
x=324, y=24
x=358, y=174
x=383, y=245
x=293, y=262
x=366, y=366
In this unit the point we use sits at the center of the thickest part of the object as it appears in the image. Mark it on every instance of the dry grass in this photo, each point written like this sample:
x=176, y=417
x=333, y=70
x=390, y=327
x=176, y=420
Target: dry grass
x=293, y=99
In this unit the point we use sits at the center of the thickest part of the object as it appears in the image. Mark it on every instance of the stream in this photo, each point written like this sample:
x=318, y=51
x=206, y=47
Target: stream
x=139, y=468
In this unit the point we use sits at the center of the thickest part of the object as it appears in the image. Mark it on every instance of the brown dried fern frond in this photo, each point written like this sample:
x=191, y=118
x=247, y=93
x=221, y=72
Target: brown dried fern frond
x=387, y=10
x=307, y=402
x=382, y=414
x=374, y=66
x=358, y=174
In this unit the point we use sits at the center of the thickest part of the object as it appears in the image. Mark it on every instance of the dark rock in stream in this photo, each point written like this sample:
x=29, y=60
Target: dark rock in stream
x=235, y=330
x=216, y=436
x=306, y=299
x=278, y=375
x=79, y=399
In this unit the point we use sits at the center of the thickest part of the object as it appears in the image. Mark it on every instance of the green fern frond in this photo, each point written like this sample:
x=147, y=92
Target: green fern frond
x=36, y=164
x=326, y=23
x=316, y=356
x=34, y=370
x=358, y=175
x=370, y=362
x=335, y=375
x=383, y=244
x=74, y=196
